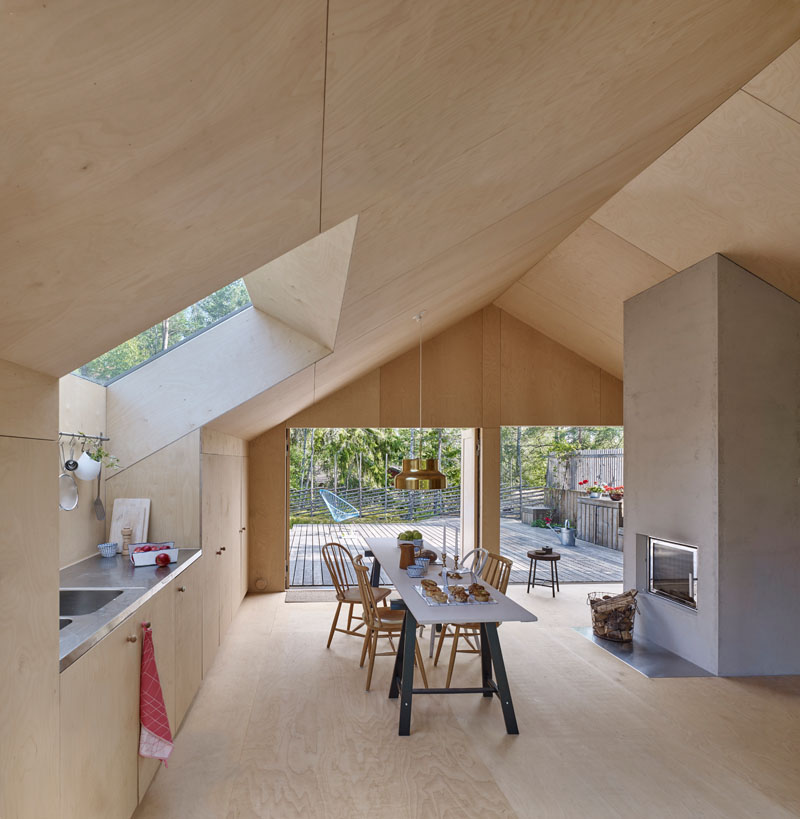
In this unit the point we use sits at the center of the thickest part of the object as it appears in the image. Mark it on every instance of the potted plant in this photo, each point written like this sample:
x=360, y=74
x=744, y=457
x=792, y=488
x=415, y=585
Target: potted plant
x=92, y=460
x=616, y=493
x=595, y=490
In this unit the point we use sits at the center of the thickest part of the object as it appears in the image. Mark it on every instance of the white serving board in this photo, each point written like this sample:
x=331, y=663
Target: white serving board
x=133, y=512
x=471, y=601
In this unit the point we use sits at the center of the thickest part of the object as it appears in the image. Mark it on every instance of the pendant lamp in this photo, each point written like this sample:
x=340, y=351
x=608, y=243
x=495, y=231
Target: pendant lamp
x=420, y=473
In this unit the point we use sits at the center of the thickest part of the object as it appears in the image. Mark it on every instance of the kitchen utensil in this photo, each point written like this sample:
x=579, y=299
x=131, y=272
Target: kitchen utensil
x=99, y=509
x=71, y=464
x=67, y=487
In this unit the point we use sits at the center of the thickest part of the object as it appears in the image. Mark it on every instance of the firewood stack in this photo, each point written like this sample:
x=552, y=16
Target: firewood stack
x=612, y=615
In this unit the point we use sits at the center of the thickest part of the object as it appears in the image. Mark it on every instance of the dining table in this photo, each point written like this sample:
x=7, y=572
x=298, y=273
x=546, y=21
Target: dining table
x=494, y=679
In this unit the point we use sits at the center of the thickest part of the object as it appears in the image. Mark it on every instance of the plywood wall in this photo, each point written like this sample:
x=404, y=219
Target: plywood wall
x=171, y=479
x=28, y=593
x=81, y=408
x=486, y=371
x=267, y=505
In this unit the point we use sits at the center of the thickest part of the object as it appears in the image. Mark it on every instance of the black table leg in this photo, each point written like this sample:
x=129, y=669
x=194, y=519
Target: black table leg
x=530, y=572
x=501, y=679
x=486, y=663
x=558, y=585
x=394, y=688
x=553, y=577
x=408, y=647
x=375, y=574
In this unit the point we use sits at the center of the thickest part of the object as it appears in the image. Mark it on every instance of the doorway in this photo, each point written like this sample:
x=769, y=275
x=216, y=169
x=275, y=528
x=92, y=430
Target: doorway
x=341, y=489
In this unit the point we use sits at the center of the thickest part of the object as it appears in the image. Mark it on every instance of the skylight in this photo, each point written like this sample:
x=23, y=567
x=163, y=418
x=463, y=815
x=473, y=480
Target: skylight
x=167, y=334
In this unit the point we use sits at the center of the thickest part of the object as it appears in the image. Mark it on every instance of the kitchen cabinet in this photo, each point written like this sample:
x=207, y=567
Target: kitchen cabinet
x=187, y=591
x=243, y=513
x=29, y=612
x=222, y=526
x=159, y=611
x=99, y=737
x=211, y=583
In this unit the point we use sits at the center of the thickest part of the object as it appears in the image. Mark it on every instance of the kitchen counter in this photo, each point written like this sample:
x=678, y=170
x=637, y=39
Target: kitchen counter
x=96, y=572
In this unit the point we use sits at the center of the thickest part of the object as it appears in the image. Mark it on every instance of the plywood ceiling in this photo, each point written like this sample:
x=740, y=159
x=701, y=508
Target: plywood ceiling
x=304, y=287
x=157, y=151
x=732, y=186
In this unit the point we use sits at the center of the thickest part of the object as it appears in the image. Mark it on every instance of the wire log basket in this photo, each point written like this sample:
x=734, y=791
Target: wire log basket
x=613, y=615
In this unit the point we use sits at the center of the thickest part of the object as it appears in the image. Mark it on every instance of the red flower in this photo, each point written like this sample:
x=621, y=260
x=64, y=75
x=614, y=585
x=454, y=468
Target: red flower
x=581, y=483
x=547, y=520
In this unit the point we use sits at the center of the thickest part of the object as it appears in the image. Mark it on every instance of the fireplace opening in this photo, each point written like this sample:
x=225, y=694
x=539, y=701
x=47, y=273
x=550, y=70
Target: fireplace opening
x=673, y=571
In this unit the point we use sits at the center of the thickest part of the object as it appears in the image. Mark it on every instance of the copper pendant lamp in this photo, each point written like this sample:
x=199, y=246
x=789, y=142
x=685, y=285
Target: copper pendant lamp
x=420, y=473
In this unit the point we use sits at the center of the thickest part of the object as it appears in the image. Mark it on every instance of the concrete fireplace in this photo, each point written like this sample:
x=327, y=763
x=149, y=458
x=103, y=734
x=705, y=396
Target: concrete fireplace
x=712, y=461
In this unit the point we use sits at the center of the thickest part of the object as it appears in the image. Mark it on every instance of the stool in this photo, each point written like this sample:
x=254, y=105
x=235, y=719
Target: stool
x=552, y=559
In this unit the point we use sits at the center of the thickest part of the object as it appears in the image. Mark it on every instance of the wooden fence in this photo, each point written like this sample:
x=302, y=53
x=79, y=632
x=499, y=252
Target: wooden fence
x=410, y=505
x=593, y=465
x=377, y=504
x=380, y=503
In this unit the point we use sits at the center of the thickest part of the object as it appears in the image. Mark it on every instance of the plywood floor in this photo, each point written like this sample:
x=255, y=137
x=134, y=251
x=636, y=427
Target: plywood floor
x=283, y=728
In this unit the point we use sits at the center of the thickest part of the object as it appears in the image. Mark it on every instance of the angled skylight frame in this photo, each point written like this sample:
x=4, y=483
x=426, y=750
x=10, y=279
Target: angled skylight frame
x=244, y=305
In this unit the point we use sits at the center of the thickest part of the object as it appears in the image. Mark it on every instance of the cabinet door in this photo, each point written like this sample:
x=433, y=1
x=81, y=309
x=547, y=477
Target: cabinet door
x=212, y=564
x=159, y=611
x=28, y=614
x=100, y=727
x=188, y=593
x=243, y=531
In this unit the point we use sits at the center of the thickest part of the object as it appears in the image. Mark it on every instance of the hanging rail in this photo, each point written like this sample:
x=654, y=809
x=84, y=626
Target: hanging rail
x=78, y=436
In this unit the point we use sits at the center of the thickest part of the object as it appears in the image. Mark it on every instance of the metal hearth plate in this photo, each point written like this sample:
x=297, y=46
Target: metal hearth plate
x=647, y=658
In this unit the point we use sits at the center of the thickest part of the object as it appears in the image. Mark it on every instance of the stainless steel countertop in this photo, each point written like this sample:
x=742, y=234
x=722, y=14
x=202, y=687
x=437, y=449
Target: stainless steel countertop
x=96, y=572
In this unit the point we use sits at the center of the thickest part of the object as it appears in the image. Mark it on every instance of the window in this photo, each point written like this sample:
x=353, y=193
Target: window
x=167, y=334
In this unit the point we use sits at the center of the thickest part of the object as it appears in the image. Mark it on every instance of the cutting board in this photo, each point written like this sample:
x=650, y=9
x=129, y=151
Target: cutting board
x=133, y=512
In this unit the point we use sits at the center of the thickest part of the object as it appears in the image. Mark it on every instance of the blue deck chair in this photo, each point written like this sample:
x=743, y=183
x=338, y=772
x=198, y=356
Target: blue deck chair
x=339, y=508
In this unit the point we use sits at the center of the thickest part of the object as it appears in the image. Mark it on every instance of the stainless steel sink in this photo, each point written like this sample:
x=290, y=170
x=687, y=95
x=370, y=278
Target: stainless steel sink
x=63, y=622
x=73, y=602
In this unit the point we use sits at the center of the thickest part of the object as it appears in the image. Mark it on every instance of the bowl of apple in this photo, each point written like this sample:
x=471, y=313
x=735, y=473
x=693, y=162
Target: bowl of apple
x=153, y=554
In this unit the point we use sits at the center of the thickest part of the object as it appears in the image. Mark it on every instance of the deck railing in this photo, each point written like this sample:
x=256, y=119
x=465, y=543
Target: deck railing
x=382, y=503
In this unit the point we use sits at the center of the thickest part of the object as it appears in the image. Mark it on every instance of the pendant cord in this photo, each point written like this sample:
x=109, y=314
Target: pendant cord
x=418, y=319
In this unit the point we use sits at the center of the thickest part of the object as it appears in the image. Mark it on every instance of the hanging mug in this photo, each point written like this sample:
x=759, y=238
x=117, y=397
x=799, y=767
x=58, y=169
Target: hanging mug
x=88, y=468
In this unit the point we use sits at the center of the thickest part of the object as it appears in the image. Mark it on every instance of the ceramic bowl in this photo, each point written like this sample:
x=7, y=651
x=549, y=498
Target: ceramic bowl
x=415, y=571
x=108, y=549
x=423, y=561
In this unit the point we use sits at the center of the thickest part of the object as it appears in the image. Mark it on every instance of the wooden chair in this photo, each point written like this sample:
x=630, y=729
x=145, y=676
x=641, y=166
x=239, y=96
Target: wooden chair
x=496, y=573
x=380, y=622
x=338, y=560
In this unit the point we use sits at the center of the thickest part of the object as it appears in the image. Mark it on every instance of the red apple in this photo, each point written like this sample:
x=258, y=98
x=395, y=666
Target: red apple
x=162, y=560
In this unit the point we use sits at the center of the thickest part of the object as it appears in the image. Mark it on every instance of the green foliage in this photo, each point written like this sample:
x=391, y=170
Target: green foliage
x=339, y=455
x=166, y=334
x=524, y=450
x=539, y=524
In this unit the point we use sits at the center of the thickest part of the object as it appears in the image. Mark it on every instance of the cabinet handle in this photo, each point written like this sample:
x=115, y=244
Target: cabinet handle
x=243, y=529
x=218, y=552
x=132, y=638
x=181, y=588
x=223, y=548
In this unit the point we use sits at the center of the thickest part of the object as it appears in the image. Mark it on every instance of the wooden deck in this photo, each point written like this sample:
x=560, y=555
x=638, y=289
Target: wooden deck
x=586, y=563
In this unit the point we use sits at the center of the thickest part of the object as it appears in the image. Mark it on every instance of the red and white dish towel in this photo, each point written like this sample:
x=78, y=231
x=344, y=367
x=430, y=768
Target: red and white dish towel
x=155, y=739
